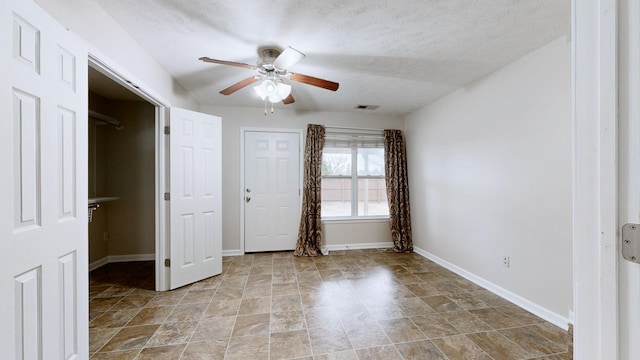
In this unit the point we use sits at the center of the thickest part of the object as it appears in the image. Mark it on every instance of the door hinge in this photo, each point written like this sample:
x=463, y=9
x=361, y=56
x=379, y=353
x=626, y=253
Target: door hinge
x=167, y=196
x=167, y=131
x=631, y=242
x=167, y=262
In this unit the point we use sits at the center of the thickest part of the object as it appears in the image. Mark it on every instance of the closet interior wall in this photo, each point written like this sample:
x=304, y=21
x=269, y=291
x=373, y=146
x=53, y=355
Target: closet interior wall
x=122, y=164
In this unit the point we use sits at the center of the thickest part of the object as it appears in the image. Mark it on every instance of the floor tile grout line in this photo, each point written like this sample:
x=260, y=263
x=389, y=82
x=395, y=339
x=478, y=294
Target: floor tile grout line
x=511, y=341
x=546, y=338
x=235, y=320
x=199, y=320
x=270, y=313
x=106, y=342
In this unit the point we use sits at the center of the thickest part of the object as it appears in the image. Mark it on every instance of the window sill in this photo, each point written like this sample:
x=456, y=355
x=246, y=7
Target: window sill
x=355, y=220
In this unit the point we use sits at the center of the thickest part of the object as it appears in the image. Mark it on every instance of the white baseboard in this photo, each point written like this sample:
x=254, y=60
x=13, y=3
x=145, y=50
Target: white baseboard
x=546, y=314
x=133, y=257
x=363, y=246
x=120, y=258
x=99, y=263
x=327, y=248
x=236, y=252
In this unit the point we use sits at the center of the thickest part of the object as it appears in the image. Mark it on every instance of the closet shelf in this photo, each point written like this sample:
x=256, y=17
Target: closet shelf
x=94, y=204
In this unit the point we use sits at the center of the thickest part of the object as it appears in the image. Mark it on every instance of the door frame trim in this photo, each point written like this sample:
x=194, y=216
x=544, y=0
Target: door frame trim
x=118, y=74
x=629, y=171
x=243, y=131
x=595, y=180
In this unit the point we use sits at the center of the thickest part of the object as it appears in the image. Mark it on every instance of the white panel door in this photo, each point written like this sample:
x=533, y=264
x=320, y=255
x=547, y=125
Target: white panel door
x=272, y=190
x=196, y=186
x=43, y=218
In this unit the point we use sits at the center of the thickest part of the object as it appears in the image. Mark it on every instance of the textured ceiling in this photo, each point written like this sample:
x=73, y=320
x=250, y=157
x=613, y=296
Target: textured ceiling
x=400, y=54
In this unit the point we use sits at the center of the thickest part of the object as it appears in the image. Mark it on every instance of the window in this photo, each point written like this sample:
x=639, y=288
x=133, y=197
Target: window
x=353, y=183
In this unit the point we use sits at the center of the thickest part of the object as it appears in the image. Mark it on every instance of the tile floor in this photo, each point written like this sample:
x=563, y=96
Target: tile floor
x=358, y=304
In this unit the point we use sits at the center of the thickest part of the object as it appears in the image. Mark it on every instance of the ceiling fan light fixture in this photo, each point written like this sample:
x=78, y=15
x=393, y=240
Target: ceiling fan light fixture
x=259, y=91
x=273, y=91
x=275, y=99
x=269, y=88
x=283, y=90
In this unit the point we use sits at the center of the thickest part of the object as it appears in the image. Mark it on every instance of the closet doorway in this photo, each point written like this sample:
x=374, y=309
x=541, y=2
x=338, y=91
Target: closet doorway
x=122, y=174
x=160, y=190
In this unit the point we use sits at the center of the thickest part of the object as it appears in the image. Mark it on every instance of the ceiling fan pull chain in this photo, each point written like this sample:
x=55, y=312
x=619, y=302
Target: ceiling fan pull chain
x=265, y=107
x=272, y=108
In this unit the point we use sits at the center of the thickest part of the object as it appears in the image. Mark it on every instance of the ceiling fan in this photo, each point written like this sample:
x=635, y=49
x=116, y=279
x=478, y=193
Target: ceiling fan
x=273, y=76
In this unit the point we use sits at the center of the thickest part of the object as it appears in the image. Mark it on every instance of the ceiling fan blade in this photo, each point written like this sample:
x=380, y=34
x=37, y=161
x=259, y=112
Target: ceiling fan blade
x=288, y=58
x=288, y=100
x=310, y=80
x=231, y=63
x=239, y=85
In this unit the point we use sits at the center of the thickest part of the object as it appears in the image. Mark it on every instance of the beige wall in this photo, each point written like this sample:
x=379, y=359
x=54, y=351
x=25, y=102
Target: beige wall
x=353, y=235
x=97, y=176
x=131, y=166
x=125, y=168
x=491, y=176
x=233, y=118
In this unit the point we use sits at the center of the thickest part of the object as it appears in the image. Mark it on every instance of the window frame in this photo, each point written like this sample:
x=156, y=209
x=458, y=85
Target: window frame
x=354, y=177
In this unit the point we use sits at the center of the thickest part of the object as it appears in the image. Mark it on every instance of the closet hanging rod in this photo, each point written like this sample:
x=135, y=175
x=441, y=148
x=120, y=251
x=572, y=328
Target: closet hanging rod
x=109, y=120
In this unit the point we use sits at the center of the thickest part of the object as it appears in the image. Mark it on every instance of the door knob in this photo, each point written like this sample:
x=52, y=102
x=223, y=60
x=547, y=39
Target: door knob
x=247, y=199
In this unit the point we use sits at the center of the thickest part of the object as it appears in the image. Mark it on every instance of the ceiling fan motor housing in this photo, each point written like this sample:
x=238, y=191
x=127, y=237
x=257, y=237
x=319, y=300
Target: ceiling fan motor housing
x=267, y=59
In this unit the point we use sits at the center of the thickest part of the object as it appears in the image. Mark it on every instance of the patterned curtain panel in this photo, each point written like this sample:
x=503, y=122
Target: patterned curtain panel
x=397, y=181
x=310, y=234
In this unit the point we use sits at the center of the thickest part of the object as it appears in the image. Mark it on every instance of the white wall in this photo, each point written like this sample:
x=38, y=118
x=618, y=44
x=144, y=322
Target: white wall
x=490, y=175
x=233, y=118
x=88, y=20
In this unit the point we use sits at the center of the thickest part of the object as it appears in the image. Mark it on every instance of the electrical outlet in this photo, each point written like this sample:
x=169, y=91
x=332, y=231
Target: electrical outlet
x=505, y=261
x=105, y=236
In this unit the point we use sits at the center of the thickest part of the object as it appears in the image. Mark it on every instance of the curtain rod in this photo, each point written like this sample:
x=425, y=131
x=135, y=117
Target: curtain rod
x=352, y=128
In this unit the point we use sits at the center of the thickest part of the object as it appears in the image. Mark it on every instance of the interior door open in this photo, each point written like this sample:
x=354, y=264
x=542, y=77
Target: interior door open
x=43, y=212
x=195, y=197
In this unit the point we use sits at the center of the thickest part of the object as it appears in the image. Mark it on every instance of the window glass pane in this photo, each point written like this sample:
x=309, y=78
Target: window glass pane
x=340, y=186
x=336, y=162
x=372, y=197
x=371, y=162
x=336, y=197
